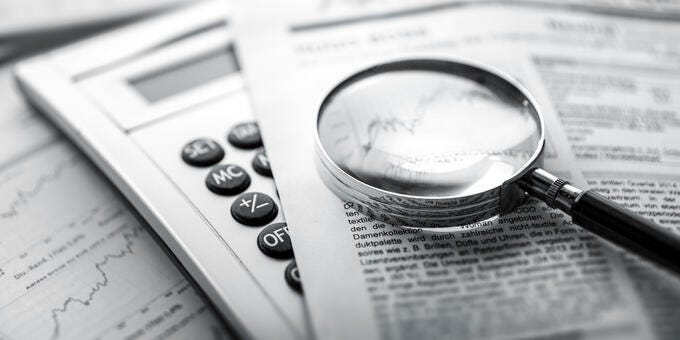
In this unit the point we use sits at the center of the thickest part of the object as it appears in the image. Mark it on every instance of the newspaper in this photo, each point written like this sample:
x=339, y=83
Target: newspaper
x=609, y=86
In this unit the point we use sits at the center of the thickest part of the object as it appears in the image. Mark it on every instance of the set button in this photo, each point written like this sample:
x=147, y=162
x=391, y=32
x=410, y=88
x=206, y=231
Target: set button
x=254, y=209
x=228, y=179
x=202, y=152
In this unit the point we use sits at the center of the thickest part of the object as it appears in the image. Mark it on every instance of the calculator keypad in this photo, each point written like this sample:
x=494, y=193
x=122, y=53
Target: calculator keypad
x=251, y=209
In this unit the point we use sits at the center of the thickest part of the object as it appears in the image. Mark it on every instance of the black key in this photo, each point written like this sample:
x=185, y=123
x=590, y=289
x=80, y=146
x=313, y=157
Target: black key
x=245, y=136
x=261, y=164
x=254, y=209
x=228, y=179
x=292, y=275
x=202, y=152
x=274, y=241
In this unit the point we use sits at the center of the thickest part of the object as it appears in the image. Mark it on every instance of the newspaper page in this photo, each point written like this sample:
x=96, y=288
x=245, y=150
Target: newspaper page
x=609, y=87
x=75, y=261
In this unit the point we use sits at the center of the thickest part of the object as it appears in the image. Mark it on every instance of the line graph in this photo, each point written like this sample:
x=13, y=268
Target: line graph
x=108, y=272
x=22, y=197
x=141, y=310
x=390, y=123
x=103, y=282
x=408, y=120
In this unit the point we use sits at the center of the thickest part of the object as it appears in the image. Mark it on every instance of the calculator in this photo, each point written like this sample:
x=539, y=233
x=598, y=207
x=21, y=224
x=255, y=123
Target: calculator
x=161, y=108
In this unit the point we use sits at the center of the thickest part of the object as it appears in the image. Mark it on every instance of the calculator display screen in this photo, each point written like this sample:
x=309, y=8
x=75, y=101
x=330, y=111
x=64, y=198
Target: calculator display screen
x=177, y=78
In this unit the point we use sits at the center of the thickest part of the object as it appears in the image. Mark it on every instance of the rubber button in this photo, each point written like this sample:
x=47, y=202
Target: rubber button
x=261, y=164
x=202, y=152
x=228, y=179
x=254, y=209
x=292, y=275
x=274, y=241
x=245, y=136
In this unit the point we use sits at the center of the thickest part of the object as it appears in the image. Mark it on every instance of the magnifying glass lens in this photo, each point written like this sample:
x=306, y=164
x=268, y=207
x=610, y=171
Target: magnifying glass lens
x=429, y=133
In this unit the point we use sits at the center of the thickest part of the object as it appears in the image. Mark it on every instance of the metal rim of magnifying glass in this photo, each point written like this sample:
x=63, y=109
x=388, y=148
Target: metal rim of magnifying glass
x=418, y=218
x=410, y=218
x=373, y=200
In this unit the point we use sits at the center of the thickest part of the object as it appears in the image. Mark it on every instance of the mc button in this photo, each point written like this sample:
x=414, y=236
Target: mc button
x=227, y=179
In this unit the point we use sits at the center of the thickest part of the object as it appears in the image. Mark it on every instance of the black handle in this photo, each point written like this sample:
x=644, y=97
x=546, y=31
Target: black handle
x=627, y=229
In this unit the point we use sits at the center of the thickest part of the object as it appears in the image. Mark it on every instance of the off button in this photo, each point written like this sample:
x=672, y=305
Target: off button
x=274, y=241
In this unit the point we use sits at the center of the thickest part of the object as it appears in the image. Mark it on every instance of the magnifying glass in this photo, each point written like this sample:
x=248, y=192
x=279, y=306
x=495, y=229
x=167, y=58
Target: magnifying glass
x=451, y=145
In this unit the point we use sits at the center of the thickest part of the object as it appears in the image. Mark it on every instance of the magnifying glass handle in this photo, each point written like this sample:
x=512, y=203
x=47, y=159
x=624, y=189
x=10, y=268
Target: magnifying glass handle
x=607, y=219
